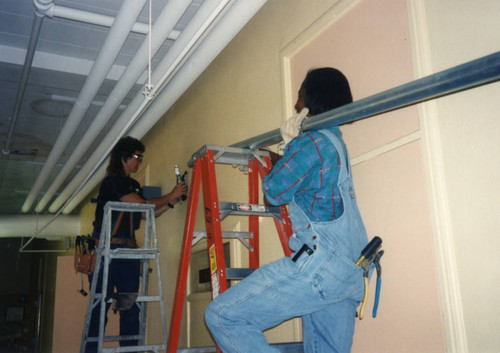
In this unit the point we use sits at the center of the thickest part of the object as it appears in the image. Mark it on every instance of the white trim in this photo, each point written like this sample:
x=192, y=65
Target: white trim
x=402, y=141
x=451, y=301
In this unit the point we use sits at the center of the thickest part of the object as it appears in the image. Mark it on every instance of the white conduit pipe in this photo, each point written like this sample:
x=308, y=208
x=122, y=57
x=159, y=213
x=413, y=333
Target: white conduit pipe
x=237, y=17
x=125, y=19
x=209, y=9
x=164, y=25
x=28, y=60
x=22, y=225
x=99, y=19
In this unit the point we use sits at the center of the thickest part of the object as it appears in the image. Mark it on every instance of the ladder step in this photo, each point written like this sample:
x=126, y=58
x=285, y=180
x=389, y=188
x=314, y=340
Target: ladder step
x=198, y=234
x=126, y=253
x=247, y=209
x=140, y=298
x=229, y=155
x=114, y=338
x=238, y=273
x=148, y=348
x=242, y=236
x=292, y=347
x=149, y=299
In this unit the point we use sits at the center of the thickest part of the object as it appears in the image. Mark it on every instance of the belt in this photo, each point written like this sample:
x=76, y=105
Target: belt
x=129, y=242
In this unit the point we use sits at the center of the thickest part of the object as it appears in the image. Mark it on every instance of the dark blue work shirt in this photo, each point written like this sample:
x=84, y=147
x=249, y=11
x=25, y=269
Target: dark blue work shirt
x=113, y=188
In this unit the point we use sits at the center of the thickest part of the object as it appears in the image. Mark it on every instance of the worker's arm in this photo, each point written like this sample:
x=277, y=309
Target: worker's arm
x=162, y=203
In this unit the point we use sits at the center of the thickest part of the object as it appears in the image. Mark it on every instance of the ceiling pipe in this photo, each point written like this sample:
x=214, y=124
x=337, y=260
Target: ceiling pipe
x=99, y=19
x=235, y=19
x=118, y=33
x=41, y=8
x=164, y=25
x=14, y=226
x=183, y=45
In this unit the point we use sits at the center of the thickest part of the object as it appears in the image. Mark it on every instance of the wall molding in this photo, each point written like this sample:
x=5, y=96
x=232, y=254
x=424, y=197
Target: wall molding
x=449, y=286
x=400, y=142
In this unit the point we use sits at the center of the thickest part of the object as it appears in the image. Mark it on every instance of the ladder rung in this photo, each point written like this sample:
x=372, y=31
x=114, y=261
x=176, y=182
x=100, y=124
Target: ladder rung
x=114, y=338
x=229, y=234
x=141, y=298
x=127, y=206
x=229, y=155
x=292, y=347
x=150, y=298
x=247, y=209
x=238, y=273
x=126, y=253
x=209, y=349
x=200, y=234
x=146, y=348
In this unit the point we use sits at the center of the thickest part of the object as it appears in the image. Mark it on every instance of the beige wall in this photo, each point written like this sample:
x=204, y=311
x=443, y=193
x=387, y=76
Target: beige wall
x=244, y=93
x=70, y=309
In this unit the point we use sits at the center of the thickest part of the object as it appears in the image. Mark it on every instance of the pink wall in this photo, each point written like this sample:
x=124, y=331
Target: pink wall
x=370, y=44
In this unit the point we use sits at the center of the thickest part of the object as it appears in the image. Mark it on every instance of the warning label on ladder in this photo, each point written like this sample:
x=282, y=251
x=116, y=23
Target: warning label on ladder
x=213, y=272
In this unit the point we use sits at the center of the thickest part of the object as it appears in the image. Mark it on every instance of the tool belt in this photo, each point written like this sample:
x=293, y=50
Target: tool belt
x=85, y=254
x=128, y=242
x=86, y=247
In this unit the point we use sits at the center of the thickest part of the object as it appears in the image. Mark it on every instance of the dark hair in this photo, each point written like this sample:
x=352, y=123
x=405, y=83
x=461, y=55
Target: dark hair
x=326, y=89
x=123, y=150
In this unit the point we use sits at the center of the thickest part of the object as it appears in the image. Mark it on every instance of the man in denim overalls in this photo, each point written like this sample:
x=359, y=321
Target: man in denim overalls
x=319, y=281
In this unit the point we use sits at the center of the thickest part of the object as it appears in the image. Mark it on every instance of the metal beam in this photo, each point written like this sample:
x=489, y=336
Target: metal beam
x=459, y=78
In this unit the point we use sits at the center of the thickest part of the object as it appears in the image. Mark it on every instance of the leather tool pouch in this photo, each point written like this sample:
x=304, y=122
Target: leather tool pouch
x=85, y=254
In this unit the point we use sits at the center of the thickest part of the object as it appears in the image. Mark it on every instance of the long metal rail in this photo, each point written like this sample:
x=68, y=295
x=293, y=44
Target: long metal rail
x=459, y=78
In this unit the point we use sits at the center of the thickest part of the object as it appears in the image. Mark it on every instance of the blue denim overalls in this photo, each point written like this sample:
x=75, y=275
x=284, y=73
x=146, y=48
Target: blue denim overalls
x=322, y=285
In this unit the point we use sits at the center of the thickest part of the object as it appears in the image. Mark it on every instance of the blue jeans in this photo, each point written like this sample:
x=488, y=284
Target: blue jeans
x=124, y=276
x=323, y=286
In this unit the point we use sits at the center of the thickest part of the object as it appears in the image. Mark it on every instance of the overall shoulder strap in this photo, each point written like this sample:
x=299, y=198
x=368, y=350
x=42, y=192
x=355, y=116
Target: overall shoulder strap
x=342, y=152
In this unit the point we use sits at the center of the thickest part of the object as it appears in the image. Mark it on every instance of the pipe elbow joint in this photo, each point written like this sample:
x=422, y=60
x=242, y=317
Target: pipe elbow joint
x=44, y=8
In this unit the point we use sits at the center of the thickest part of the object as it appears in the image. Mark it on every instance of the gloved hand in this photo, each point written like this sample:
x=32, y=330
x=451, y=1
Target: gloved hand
x=291, y=128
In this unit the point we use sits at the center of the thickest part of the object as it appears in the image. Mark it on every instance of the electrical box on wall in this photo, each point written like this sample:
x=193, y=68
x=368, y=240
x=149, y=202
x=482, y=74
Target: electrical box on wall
x=151, y=192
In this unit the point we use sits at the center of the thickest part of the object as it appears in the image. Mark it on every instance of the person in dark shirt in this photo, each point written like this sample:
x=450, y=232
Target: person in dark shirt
x=125, y=159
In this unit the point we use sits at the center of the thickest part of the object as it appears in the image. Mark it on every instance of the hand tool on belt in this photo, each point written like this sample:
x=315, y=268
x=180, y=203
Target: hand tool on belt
x=371, y=254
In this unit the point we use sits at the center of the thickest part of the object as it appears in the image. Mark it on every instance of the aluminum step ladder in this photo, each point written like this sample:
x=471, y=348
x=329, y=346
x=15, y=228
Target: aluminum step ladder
x=148, y=253
x=256, y=163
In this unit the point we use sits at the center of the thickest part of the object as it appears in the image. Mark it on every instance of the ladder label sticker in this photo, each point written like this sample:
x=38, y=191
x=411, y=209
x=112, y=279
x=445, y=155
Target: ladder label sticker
x=213, y=271
x=213, y=260
x=215, y=285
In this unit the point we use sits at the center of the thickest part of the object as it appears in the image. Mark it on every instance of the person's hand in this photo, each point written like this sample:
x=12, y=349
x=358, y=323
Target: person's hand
x=291, y=127
x=179, y=190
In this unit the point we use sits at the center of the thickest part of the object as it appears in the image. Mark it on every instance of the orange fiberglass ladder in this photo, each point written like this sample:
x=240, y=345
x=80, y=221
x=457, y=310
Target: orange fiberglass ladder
x=259, y=164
